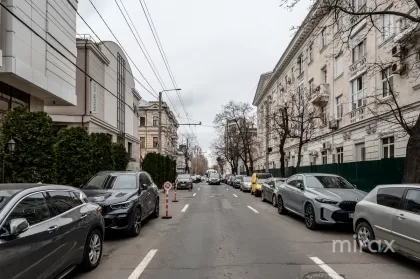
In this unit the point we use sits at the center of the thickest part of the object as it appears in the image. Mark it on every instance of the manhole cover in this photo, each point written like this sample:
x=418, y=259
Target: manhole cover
x=317, y=275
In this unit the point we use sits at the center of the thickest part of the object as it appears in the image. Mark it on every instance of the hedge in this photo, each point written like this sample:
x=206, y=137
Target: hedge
x=161, y=168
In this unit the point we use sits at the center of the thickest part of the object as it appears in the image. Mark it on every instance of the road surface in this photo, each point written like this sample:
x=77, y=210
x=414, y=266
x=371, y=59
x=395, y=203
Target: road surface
x=220, y=232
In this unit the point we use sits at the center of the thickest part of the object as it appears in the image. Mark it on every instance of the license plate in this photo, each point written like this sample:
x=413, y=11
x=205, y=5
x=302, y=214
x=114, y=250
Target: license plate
x=351, y=215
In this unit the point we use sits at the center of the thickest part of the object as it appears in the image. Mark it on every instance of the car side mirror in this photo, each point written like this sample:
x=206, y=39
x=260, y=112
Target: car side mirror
x=18, y=226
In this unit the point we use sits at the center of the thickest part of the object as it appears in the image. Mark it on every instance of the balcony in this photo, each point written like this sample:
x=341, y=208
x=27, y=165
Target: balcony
x=321, y=95
x=358, y=67
x=356, y=18
x=357, y=115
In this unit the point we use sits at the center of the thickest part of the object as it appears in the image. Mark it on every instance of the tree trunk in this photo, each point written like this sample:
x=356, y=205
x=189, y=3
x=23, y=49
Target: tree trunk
x=299, y=152
x=412, y=159
x=247, y=170
x=282, y=157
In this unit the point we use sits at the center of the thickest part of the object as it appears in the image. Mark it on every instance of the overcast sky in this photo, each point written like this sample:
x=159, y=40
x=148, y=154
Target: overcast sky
x=216, y=49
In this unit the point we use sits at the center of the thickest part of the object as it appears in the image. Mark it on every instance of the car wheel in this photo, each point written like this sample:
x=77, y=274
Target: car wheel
x=156, y=211
x=262, y=197
x=135, y=223
x=280, y=206
x=273, y=201
x=365, y=238
x=310, y=221
x=93, y=251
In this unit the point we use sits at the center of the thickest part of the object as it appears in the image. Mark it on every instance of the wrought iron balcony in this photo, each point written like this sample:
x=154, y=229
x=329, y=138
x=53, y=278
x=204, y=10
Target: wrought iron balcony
x=321, y=95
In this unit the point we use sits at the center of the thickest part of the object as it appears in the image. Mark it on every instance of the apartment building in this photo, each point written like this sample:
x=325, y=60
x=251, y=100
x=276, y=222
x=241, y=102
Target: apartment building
x=107, y=100
x=149, y=129
x=354, y=70
x=38, y=62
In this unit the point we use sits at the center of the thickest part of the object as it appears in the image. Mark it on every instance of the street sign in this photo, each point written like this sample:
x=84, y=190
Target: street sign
x=167, y=185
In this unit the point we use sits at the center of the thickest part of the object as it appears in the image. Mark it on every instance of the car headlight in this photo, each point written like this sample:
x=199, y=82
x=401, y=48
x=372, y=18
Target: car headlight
x=122, y=205
x=327, y=201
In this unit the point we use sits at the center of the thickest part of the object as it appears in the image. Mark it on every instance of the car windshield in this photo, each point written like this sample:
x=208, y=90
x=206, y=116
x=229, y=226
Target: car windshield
x=183, y=176
x=97, y=182
x=263, y=176
x=247, y=179
x=123, y=181
x=329, y=182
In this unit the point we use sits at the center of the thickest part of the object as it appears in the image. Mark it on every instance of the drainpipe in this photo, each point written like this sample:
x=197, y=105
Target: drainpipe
x=86, y=83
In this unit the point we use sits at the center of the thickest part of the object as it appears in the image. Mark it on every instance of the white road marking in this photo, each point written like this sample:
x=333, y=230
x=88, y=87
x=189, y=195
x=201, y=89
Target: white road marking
x=326, y=268
x=194, y=194
x=185, y=208
x=252, y=209
x=227, y=189
x=198, y=189
x=235, y=195
x=143, y=264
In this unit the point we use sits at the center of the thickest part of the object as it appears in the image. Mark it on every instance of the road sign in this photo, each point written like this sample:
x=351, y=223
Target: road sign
x=167, y=185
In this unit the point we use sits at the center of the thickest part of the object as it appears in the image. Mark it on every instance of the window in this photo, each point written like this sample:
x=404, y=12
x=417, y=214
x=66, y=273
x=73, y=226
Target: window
x=11, y=97
x=340, y=157
x=358, y=92
x=339, y=21
x=77, y=199
x=61, y=201
x=360, y=152
x=387, y=82
x=324, y=76
x=323, y=37
x=390, y=196
x=298, y=180
x=34, y=208
x=359, y=51
x=97, y=182
x=300, y=64
x=388, y=147
x=155, y=121
x=405, y=23
x=291, y=181
x=324, y=157
x=357, y=4
x=339, y=106
x=142, y=121
x=338, y=66
x=323, y=115
x=142, y=142
x=155, y=142
x=412, y=201
x=311, y=86
x=387, y=22
x=293, y=74
x=310, y=52
x=327, y=182
x=130, y=149
x=120, y=93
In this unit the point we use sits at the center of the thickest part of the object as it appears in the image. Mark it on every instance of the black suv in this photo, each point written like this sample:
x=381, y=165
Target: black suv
x=126, y=198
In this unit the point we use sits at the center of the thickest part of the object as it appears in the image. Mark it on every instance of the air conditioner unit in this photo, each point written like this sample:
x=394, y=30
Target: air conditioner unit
x=398, y=50
x=398, y=68
x=333, y=124
x=326, y=145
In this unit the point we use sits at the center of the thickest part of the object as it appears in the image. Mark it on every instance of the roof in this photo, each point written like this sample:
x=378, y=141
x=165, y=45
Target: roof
x=261, y=85
x=315, y=173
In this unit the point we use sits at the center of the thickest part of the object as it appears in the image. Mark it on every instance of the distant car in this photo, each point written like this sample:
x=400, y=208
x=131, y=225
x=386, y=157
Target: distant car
x=245, y=184
x=268, y=189
x=196, y=179
x=184, y=181
x=319, y=198
x=126, y=198
x=257, y=180
x=47, y=230
x=214, y=179
x=238, y=181
x=389, y=213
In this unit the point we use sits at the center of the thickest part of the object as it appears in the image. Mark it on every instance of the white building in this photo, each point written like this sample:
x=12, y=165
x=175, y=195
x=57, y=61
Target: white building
x=37, y=66
x=107, y=99
x=345, y=89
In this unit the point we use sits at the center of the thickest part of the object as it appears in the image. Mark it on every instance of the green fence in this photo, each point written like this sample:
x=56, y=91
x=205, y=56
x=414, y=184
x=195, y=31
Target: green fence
x=366, y=175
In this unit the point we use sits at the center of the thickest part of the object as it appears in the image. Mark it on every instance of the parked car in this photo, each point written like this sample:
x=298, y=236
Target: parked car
x=246, y=184
x=389, y=213
x=238, y=181
x=225, y=178
x=47, y=230
x=268, y=189
x=214, y=179
x=184, y=181
x=257, y=180
x=319, y=198
x=126, y=198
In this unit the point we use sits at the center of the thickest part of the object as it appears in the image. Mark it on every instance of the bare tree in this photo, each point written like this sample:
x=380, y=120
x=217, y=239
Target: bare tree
x=386, y=104
x=226, y=149
x=281, y=129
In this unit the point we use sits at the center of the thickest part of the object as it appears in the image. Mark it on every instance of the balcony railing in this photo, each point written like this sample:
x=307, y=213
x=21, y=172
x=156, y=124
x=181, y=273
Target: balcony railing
x=358, y=67
x=357, y=115
x=320, y=95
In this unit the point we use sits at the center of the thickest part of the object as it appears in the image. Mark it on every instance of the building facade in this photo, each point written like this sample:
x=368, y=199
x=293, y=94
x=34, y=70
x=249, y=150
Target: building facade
x=107, y=100
x=149, y=129
x=353, y=88
x=38, y=62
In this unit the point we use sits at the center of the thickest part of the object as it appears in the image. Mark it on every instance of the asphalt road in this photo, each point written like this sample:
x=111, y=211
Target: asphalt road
x=220, y=232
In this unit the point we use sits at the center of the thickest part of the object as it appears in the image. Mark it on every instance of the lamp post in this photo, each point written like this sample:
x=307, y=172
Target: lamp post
x=10, y=148
x=160, y=118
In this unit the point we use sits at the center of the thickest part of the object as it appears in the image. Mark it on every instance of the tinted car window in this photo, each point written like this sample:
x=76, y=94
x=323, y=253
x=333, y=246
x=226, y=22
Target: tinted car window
x=390, y=197
x=412, y=201
x=61, y=201
x=34, y=208
x=291, y=181
x=97, y=182
x=329, y=182
x=77, y=198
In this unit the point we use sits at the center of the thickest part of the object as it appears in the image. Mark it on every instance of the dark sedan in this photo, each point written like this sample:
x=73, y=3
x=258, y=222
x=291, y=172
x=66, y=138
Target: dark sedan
x=184, y=181
x=47, y=230
x=127, y=198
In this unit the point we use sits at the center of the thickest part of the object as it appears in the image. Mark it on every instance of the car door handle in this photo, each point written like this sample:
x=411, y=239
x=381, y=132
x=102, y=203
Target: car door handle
x=83, y=216
x=52, y=229
x=401, y=217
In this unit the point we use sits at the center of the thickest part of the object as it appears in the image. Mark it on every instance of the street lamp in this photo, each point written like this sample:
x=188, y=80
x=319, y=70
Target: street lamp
x=10, y=148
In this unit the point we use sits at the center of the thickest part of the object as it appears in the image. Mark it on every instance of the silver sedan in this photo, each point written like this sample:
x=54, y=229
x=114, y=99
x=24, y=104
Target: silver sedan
x=269, y=187
x=246, y=184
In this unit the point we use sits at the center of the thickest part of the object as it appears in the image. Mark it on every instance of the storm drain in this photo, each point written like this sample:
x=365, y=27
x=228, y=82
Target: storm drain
x=318, y=275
